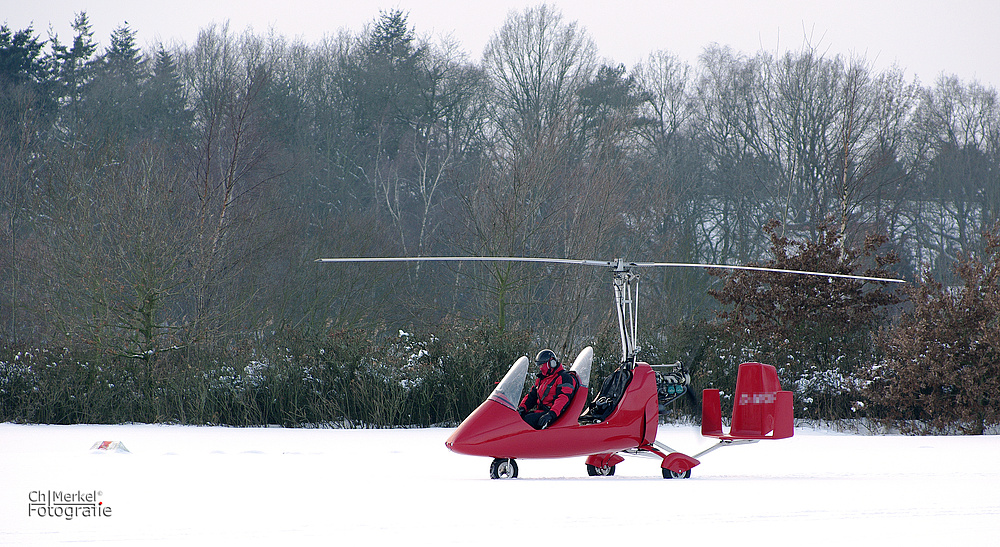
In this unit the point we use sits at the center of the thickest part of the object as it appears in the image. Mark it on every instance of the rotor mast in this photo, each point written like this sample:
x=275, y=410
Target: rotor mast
x=626, y=284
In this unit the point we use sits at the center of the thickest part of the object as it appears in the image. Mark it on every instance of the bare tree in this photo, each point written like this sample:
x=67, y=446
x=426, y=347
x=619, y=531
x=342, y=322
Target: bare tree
x=441, y=134
x=955, y=132
x=524, y=201
x=20, y=121
x=871, y=118
x=678, y=196
x=540, y=206
x=230, y=165
x=535, y=63
x=118, y=242
x=669, y=102
x=817, y=137
x=740, y=195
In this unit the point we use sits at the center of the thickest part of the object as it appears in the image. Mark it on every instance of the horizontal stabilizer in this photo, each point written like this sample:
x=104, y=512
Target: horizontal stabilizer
x=711, y=413
x=761, y=410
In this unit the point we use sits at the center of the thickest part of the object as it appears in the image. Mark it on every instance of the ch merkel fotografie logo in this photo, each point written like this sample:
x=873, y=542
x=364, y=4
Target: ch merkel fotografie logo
x=67, y=505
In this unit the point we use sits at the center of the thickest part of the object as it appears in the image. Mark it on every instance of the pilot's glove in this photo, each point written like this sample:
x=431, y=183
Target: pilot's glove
x=522, y=411
x=546, y=419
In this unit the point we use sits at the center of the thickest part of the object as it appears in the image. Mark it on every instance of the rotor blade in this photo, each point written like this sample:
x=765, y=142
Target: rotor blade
x=618, y=264
x=761, y=269
x=468, y=259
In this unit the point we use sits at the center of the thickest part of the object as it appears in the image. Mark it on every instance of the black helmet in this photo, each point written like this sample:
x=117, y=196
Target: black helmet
x=546, y=361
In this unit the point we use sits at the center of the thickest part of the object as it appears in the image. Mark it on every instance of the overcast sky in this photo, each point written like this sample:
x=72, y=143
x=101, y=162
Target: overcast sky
x=924, y=37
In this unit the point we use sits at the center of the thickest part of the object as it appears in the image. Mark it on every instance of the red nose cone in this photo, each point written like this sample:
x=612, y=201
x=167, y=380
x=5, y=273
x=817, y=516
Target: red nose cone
x=486, y=430
x=458, y=442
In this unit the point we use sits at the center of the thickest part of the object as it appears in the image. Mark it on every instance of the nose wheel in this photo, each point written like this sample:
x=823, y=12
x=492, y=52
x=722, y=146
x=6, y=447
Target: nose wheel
x=503, y=468
x=600, y=471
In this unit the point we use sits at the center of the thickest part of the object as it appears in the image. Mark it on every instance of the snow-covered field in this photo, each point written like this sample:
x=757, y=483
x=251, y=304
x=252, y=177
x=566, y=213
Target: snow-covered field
x=181, y=485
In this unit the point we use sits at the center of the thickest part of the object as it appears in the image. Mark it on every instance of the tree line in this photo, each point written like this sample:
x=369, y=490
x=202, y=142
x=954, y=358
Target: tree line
x=162, y=210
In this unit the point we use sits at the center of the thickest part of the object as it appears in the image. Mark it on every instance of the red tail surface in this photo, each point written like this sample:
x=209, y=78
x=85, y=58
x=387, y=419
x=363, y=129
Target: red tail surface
x=760, y=409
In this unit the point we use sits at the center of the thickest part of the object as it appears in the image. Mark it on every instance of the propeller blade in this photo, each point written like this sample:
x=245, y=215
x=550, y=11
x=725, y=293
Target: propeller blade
x=691, y=397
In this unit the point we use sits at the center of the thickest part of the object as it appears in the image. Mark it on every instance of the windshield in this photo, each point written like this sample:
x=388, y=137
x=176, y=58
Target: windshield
x=582, y=366
x=508, y=391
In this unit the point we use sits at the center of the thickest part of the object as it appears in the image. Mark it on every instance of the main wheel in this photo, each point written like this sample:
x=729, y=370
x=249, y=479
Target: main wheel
x=668, y=474
x=605, y=471
x=503, y=468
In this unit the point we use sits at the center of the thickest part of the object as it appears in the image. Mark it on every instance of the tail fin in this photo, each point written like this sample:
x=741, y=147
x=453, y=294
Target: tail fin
x=760, y=409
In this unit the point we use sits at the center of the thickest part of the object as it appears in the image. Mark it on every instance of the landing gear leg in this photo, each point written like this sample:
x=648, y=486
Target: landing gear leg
x=503, y=468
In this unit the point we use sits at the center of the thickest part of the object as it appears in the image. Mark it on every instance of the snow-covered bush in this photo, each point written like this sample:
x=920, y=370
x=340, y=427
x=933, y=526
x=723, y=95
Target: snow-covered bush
x=942, y=365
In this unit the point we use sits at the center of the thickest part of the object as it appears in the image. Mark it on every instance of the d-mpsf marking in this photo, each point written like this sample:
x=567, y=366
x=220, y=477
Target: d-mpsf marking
x=757, y=398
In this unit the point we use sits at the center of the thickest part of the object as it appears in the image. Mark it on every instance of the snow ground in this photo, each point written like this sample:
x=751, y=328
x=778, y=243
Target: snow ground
x=272, y=486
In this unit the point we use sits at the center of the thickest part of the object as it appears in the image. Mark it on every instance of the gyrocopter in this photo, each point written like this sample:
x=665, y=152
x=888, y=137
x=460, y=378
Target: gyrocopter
x=622, y=418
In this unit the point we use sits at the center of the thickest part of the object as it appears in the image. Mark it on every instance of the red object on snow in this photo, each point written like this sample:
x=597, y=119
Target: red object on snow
x=495, y=429
x=761, y=410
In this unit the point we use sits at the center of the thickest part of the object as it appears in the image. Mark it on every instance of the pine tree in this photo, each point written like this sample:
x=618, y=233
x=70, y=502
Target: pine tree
x=24, y=82
x=74, y=64
x=164, y=105
x=114, y=95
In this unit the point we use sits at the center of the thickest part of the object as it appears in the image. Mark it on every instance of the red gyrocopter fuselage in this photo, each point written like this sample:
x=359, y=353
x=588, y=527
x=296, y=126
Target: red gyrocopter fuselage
x=496, y=430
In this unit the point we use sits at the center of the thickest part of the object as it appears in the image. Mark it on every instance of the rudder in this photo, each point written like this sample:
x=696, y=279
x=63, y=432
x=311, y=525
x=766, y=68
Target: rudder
x=758, y=409
x=761, y=410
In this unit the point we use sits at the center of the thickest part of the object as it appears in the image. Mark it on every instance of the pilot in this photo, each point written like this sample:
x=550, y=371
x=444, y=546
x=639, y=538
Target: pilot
x=553, y=390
